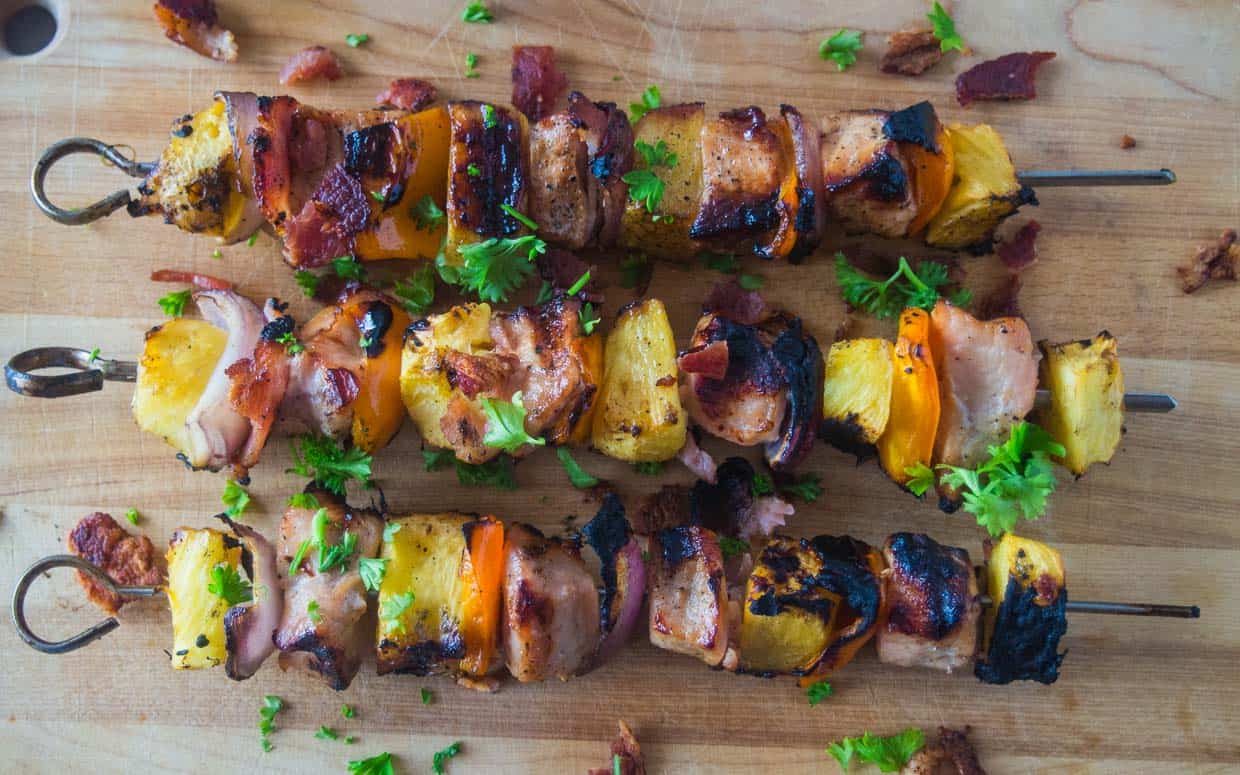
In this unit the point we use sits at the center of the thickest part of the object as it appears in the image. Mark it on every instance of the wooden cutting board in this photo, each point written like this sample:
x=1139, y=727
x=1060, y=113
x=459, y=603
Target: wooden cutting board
x=1160, y=523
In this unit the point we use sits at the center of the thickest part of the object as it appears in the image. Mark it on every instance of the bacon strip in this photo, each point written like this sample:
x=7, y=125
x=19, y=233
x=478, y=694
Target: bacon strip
x=327, y=224
x=536, y=81
x=708, y=361
x=203, y=281
x=412, y=94
x=310, y=63
x=1010, y=77
x=249, y=628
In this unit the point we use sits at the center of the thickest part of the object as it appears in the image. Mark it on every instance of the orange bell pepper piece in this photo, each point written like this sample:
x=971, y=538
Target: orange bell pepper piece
x=485, y=574
x=851, y=633
x=378, y=411
x=909, y=436
x=932, y=178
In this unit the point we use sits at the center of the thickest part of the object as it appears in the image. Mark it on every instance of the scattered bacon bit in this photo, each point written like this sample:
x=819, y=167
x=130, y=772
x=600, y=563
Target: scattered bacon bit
x=629, y=753
x=1127, y=141
x=911, y=52
x=709, y=361
x=411, y=94
x=1010, y=77
x=129, y=559
x=1212, y=262
x=1020, y=252
x=536, y=82
x=732, y=301
x=204, y=281
x=195, y=24
x=952, y=752
x=562, y=268
x=310, y=63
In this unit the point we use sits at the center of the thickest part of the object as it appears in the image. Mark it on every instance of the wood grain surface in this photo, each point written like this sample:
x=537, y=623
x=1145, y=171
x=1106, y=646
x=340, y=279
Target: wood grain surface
x=1161, y=523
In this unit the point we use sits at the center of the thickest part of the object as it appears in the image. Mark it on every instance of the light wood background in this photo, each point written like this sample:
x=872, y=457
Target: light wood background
x=1161, y=523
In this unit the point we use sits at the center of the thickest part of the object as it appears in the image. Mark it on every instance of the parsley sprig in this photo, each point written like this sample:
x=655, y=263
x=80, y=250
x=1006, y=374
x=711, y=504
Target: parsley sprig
x=308, y=282
x=234, y=498
x=495, y=267
x=427, y=214
x=576, y=474
x=229, y=585
x=331, y=466
x=441, y=757
x=372, y=570
x=1014, y=482
x=889, y=753
x=945, y=30
x=497, y=473
x=477, y=13
x=267, y=718
x=905, y=288
x=818, y=691
x=645, y=186
x=349, y=268
x=417, y=292
x=174, y=303
x=379, y=764
x=506, y=425
x=841, y=48
x=393, y=608
x=651, y=99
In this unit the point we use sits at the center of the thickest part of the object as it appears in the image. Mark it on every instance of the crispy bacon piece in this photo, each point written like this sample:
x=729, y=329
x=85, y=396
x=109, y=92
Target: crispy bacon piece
x=1010, y=77
x=310, y=63
x=249, y=628
x=129, y=559
x=195, y=24
x=412, y=94
x=273, y=180
x=204, y=281
x=710, y=360
x=329, y=222
x=732, y=301
x=474, y=373
x=626, y=755
x=256, y=388
x=609, y=139
x=951, y=754
x=1019, y=253
x=911, y=52
x=1212, y=262
x=536, y=81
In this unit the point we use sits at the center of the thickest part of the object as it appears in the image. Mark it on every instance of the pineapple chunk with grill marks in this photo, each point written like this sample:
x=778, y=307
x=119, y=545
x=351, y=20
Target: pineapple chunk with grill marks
x=197, y=613
x=856, y=395
x=788, y=620
x=177, y=361
x=1086, y=413
x=984, y=191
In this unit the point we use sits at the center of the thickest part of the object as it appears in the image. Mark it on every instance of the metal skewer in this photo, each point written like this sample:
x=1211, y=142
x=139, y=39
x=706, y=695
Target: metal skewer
x=1146, y=403
x=92, y=212
x=1121, y=609
x=1064, y=178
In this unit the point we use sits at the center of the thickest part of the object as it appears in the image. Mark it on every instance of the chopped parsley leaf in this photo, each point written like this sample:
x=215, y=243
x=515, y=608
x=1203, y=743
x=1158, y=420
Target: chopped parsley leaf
x=473, y=171
x=807, y=487
x=762, y=484
x=441, y=757
x=427, y=696
x=905, y=288
x=417, y=292
x=217, y=253
x=94, y=355
x=945, y=30
x=235, y=499
x=290, y=342
x=393, y=608
x=228, y=585
x=496, y=267
x=132, y=516
x=576, y=474
x=303, y=500
x=727, y=263
x=355, y=40
x=267, y=718
x=520, y=216
x=471, y=62
x=841, y=48
x=312, y=611
x=347, y=711
x=427, y=214
x=649, y=468
x=308, y=282
x=588, y=318
x=505, y=427
x=817, y=692
x=750, y=282
x=477, y=13
x=348, y=268
x=326, y=733
x=489, y=121
x=732, y=547
x=390, y=530
x=545, y=292
x=174, y=303
x=889, y=753
x=253, y=238
x=372, y=570
x=320, y=458
x=379, y=764
x=651, y=99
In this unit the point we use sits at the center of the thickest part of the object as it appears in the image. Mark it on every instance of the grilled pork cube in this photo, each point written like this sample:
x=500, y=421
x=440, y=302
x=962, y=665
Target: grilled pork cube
x=550, y=607
x=933, y=607
x=688, y=593
x=1028, y=613
x=749, y=184
x=439, y=598
x=866, y=179
x=494, y=140
x=451, y=361
x=665, y=232
x=198, y=638
x=788, y=617
x=988, y=379
x=1086, y=413
x=564, y=197
x=322, y=629
x=856, y=393
x=984, y=190
x=755, y=384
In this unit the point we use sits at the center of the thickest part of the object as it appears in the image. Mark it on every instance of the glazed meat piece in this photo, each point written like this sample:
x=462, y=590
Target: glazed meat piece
x=866, y=179
x=309, y=64
x=564, y=195
x=769, y=390
x=609, y=139
x=129, y=560
x=743, y=166
x=412, y=94
x=933, y=605
x=551, y=607
x=249, y=628
x=321, y=629
x=688, y=593
x=988, y=378
x=493, y=142
x=195, y=24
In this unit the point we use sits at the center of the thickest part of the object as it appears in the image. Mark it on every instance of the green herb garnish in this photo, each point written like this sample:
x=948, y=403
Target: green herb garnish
x=326, y=733
x=393, y=608
x=576, y=474
x=651, y=99
x=817, y=692
x=417, y=292
x=235, y=499
x=308, y=282
x=523, y=218
x=303, y=500
x=348, y=268
x=732, y=547
x=841, y=48
x=320, y=458
x=471, y=62
x=762, y=484
x=427, y=215
x=477, y=13
x=372, y=570
x=427, y=696
x=649, y=468
x=750, y=282
x=227, y=584
x=174, y=303
x=506, y=425
x=347, y=711
x=379, y=764
x=945, y=30
x=497, y=266
x=889, y=753
x=267, y=718
x=132, y=516
x=312, y=611
x=355, y=40
x=441, y=757
x=905, y=288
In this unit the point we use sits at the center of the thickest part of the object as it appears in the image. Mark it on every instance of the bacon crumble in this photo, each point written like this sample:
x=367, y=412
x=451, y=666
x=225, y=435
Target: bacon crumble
x=1010, y=77
x=911, y=52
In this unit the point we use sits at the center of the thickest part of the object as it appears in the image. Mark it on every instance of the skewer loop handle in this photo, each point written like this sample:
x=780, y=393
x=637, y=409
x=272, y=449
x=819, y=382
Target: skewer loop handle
x=88, y=377
x=85, y=637
x=92, y=212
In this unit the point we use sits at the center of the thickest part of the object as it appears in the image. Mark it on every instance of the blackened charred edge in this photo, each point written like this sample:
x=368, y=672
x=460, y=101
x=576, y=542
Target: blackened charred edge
x=329, y=662
x=801, y=360
x=677, y=544
x=736, y=215
x=680, y=110
x=750, y=361
x=234, y=620
x=498, y=152
x=847, y=436
x=940, y=577
x=607, y=533
x=721, y=505
x=368, y=151
x=283, y=325
x=373, y=326
x=885, y=179
x=915, y=124
x=1025, y=643
x=428, y=657
x=846, y=572
x=782, y=557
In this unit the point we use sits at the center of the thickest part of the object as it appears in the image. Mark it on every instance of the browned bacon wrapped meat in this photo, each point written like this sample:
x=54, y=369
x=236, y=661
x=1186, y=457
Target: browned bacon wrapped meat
x=688, y=593
x=195, y=24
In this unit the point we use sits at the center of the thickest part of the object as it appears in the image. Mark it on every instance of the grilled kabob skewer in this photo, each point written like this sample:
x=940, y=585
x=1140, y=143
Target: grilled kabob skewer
x=473, y=596
x=678, y=181
x=949, y=388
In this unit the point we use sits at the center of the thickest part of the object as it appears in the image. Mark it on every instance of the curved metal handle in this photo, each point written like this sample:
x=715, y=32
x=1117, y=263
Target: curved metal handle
x=90, y=634
x=92, y=212
x=89, y=377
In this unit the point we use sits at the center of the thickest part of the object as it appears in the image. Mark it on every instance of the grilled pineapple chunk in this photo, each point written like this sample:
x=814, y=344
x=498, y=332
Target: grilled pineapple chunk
x=983, y=193
x=856, y=394
x=177, y=361
x=1022, y=627
x=1086, y=414
x=197, y=613
x=424, y=384
x=192, y=185
x=424, y=559
x=788, y=620
x=679, y=127
x=639, y=417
